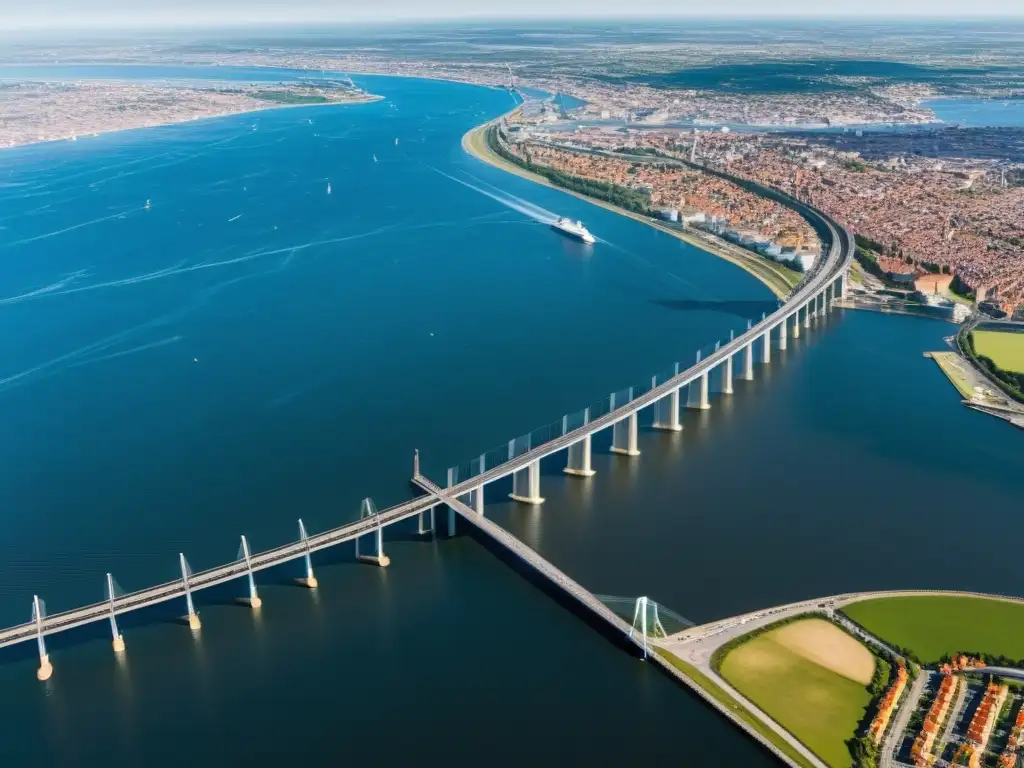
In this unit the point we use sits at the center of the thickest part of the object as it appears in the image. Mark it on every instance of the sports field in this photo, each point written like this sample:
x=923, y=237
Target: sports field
x=811, y=677
x=1005, y=349
x=931, y=626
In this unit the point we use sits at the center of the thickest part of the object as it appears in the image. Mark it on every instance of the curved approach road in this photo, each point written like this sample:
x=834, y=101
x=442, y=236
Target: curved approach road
x=696, y=645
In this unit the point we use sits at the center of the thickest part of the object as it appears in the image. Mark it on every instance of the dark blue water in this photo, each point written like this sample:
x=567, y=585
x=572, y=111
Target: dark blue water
x=251, y=349
x=172, y=379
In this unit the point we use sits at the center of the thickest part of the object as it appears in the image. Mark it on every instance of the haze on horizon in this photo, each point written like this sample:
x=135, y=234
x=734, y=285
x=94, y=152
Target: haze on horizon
x=43, y=14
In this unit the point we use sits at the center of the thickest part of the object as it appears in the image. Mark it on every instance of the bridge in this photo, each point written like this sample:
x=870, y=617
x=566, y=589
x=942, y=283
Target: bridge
x=464, y=493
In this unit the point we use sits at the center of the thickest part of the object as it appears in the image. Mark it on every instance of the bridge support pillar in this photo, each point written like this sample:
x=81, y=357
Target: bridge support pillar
x=526, y=484
x=451, y=522
x=425, y=522
x=748, y=361
x=783, y=333
x=624, y=436
x=254, y=598
x=727, y=376
x=807, y=315
x=667, y=412
x=45, y=667
x=378, y=557
x=118, y=638
x=697, y=394
x=796, y=325
x=309, y=580
x=192, y=617
x=476, y=497
x=766, y=350
x=843, y=279
x=579, y=459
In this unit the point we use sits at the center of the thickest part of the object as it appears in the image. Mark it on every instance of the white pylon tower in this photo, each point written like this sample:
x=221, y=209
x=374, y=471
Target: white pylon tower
x=640, y=611
x=118, y=637
x=243, y=549
x=309, y=580
x=193, y=617
x=369, y=510
x=38, y=611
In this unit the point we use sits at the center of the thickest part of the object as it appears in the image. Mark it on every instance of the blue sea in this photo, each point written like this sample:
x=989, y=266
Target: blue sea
x=199, y=340
x=248, y=348
x=978, y=113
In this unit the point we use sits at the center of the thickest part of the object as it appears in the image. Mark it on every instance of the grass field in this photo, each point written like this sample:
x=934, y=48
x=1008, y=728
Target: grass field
x=952, y=365
x=1005, y=349
x=713, y=690
x=800, y=674
x=931, y=626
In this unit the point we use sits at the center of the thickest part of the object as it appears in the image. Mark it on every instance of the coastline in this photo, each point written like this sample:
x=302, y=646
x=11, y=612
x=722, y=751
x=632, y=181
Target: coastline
x=87, y=134
x=474, y=143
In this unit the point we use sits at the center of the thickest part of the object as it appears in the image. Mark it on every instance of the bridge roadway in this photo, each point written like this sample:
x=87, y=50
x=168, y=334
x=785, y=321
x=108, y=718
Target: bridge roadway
x=528, y=556
x=817, y=283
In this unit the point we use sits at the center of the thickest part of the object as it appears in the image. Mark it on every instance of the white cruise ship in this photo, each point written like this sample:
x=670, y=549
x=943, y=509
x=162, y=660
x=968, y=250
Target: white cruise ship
x=573, y=229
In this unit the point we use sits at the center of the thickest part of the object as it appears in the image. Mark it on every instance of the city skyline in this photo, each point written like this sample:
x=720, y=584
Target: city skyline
x=161, y=13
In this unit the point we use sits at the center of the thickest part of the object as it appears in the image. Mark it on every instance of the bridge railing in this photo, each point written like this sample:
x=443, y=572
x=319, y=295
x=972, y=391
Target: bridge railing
x=619, y=399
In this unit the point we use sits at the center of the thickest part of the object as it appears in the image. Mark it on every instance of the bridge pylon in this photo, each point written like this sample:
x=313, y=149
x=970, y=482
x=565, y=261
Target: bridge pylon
x=112, y=592
x=369, y=510
x=192, y=617
x=646, y=611
x=309, y=580
x=244, y=554
x=38, y=612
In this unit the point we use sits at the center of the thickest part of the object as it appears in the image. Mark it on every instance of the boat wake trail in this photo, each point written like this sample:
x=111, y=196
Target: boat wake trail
x=132, y=351
x=524, y=207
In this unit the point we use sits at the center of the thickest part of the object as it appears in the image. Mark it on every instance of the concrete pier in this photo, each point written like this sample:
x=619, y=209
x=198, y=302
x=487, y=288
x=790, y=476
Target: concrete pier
x=45, y=667
x=118, y=640
x=766, y=349
x=748, y=361
x=525, y=485
x=579, y=459
x=807, y=315
x=309, y=580
x=783, y=333
x=668, y=413
x=624, y=436
x=697, y=396
x=727, y=376
x=377, y=557
x=192, y=617
x=254, y=598
x=796, y=325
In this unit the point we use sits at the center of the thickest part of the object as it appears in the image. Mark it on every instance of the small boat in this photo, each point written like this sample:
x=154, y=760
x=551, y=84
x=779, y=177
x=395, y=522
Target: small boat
x=328, y=187
x=375, y=158
x=573, y=229
x=148, y=205
x=396, y=141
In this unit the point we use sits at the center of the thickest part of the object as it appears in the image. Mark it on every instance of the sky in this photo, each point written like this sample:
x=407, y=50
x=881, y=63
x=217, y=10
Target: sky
x=128, y=13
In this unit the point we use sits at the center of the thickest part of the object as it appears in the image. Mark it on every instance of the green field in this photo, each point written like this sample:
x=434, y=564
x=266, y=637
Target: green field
x=932, y=626
x=1005, y=349
x=727, y=701
x=820, y=707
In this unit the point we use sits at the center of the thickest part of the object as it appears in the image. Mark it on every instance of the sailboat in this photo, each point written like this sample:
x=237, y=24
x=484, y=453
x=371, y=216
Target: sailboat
x=148, y=205
x=375, y=158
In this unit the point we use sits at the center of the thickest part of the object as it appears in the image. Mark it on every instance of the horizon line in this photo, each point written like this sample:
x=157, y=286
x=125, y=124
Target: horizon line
x=106, y=24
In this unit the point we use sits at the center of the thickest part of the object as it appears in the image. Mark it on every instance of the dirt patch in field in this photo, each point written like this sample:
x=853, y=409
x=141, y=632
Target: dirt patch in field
x=828, y=646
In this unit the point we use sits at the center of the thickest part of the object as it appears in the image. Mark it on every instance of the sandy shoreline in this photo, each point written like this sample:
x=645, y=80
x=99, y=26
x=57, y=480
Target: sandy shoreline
x=474, y=143
x=88, y=134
